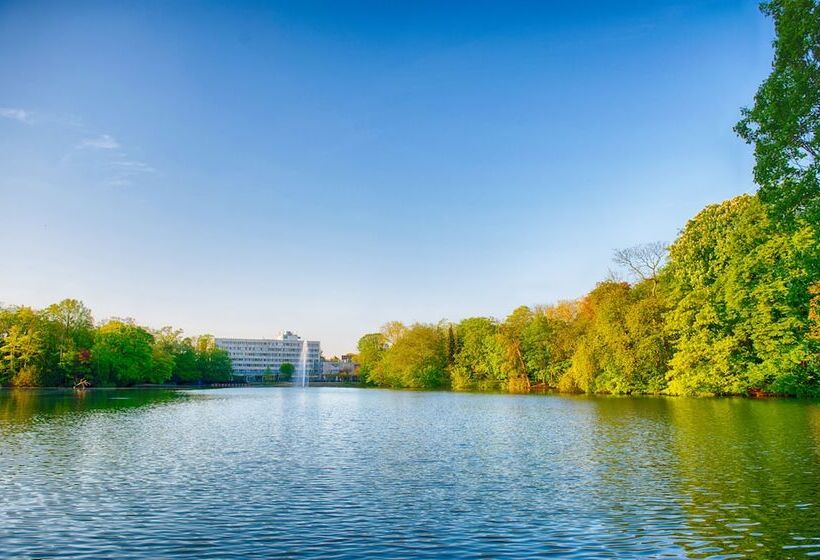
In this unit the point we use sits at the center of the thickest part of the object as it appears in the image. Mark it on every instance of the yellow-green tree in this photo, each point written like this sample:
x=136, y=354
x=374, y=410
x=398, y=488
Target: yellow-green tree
x=371, y=350
x=620, y=346
x=22, y=353
x=476, y=361
x=740, y=303
x=417, y=358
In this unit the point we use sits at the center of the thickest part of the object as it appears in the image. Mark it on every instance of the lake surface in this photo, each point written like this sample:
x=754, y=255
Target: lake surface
x=347, y=473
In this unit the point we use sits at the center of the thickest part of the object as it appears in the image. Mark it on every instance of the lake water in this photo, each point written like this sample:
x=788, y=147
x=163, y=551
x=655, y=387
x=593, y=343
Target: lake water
x=347, y=473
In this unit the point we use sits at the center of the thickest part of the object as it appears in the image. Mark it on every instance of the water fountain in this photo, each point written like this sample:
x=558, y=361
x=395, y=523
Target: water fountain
x=302, y=379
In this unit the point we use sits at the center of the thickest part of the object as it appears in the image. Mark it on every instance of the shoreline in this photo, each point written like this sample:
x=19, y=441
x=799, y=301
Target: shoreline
x=349, y=385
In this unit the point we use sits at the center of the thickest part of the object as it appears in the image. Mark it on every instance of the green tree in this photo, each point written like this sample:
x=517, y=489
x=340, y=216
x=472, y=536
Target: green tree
x=564, y=331
x=371, y=349
x=601, y=362
x=451, y=345
x=621, y=346
x=213, y=363
x=392, y=331
x=784, y=122
x=123, y=354
x=286, y=371
x=22, y=349
x=186, y=369
x=476, y=362
x=172, y=349
x=741, y=304
x=68, y=337
x=416, y=359
x=536, y=347
x=510, y=338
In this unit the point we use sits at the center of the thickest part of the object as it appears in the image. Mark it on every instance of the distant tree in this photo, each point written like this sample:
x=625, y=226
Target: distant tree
x=71, y=315
x=68, y=334
x=175, y=354
x=476, y=362
x=286, y=371
x=392, y=331
x=23, y=352
x=123, y=355
x=564, y=331
x=537, y=348
x=621, y=347
x=19, y=351
x=784, y=123
x=162, y=364
x=644, y=262
x=510, y=334
x=59, y=346
x=27, y=376
x=186, y=369
x=213, y=363
x=451, y=345
x=417, y=359
x=371, y=351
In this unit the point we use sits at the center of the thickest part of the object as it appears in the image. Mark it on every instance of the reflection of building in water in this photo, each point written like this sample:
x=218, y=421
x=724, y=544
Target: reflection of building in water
x=253, y=357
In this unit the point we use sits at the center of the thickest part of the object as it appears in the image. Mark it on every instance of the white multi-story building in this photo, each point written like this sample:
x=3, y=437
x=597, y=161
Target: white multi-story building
x=253, y=357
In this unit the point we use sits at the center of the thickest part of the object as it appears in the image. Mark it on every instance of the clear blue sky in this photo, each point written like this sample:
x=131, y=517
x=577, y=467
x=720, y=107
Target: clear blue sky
x=244, y=168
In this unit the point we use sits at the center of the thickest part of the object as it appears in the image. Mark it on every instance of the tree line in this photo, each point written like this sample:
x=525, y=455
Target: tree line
x=732, y=306
x=61, y=346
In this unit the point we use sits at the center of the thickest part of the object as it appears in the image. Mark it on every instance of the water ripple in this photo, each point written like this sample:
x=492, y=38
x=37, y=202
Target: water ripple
x=345, y=473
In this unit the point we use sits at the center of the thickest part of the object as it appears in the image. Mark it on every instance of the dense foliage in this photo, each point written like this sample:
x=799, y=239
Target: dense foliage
x=735, y=310
x=784, y=123
x=61, y=346
x=740, y=317
x=733, y=306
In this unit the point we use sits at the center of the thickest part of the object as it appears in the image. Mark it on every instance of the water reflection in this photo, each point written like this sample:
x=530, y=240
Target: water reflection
x=18, y=406
x=750, y=471
x=348, y=473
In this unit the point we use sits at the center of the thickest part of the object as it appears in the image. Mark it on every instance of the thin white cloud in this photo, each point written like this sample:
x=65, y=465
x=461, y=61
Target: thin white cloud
x=96, y=149
x=118, y=182
x=131, y=166
x=126, y=171
x=102, y=142
x=20, y=115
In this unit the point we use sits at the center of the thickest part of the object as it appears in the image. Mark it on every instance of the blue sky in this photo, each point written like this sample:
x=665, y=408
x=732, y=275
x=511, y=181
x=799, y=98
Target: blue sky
x=245, y=168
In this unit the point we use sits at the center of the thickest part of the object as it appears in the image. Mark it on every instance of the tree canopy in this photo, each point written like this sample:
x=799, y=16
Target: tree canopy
x=61, y=346
x=784, y=122
x=731, y=307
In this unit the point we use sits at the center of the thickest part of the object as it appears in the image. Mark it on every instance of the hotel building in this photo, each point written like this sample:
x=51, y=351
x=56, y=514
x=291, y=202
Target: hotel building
x=252, y=357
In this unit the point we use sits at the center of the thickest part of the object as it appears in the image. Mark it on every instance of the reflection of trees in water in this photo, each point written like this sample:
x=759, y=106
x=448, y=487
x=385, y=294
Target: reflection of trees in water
x=814, y=424
x=700, y=477
x=21, y=405
x=633, y=467
x=748, y=474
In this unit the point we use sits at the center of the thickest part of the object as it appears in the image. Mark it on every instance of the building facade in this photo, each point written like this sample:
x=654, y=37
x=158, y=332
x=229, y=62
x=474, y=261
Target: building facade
x=254, y=357
x=340, y=369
